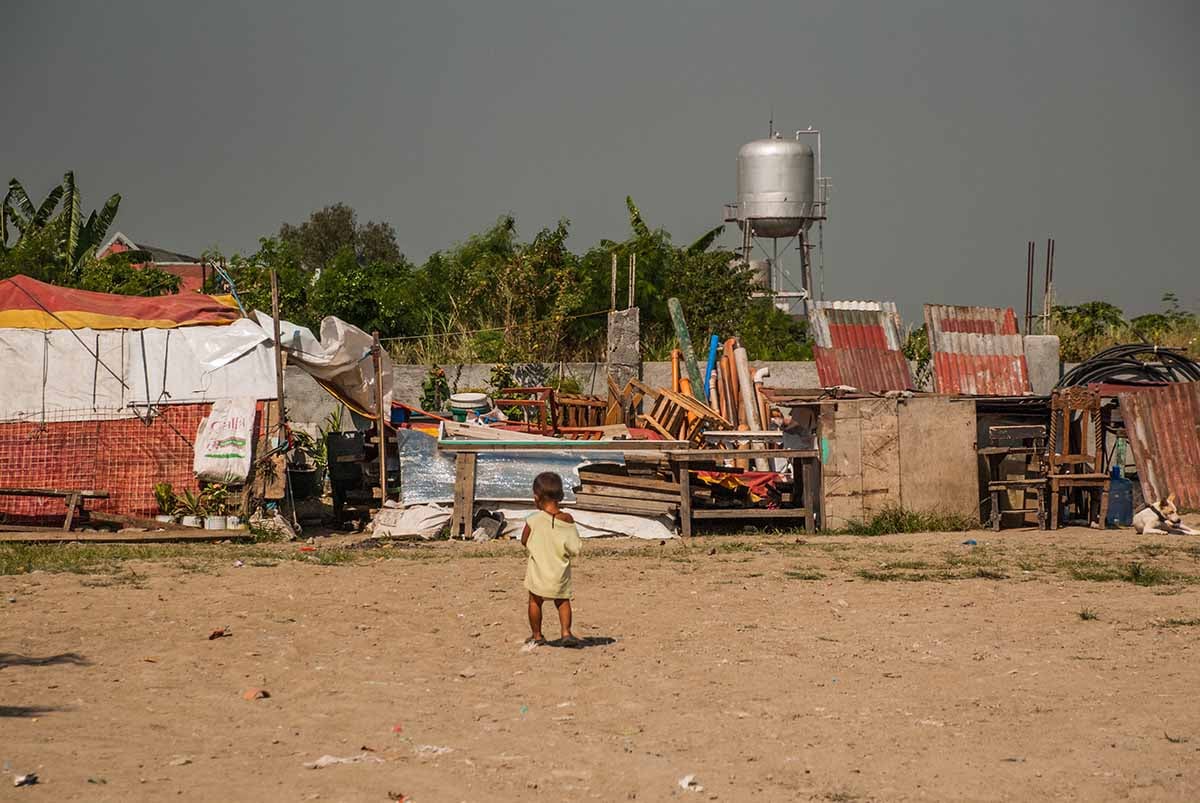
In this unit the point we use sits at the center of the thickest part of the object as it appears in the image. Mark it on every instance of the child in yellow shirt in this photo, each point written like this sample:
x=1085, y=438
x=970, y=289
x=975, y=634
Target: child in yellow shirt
x=552, y=540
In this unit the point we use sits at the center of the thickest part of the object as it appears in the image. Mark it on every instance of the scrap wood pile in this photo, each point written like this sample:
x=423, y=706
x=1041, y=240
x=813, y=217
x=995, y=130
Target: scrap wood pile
x=645, y=487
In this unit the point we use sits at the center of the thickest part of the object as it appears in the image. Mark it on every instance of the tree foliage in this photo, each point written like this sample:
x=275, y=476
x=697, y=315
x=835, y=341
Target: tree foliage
x=1088, y=328
x=60, y=248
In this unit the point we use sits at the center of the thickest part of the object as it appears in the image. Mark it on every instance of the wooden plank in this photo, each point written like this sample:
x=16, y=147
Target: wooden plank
x=685, y=501
x=158, y=536
x=749, y=513
x=620, y=481
x=772, y=435
x=53, y=492
x=939, y=470
x=592, y=489
x=557, y=445
x=464, y=494
x=840, y=431
x=626, y=505
x=703, y=455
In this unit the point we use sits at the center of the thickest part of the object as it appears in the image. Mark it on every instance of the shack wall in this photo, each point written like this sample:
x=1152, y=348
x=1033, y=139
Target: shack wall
x=918, y=454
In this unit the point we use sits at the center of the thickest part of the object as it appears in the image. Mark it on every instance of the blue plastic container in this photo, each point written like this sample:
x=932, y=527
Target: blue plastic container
x=1120, y=501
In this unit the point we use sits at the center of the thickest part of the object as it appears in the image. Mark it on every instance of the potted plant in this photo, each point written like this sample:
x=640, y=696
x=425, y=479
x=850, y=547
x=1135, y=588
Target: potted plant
x=216, y=498
x=164, y=495
x=306, y=465
x=191, y=509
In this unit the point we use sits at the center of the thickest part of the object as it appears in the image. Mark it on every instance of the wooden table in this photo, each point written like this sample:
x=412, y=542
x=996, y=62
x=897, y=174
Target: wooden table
x=804, y=464
x=74, y=499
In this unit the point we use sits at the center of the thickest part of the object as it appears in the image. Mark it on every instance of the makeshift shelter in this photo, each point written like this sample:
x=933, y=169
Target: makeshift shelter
x=108, y=392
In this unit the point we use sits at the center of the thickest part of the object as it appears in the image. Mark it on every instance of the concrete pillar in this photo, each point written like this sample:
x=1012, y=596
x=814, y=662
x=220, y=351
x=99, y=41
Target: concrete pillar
x=624, y=345
x=1041, y=353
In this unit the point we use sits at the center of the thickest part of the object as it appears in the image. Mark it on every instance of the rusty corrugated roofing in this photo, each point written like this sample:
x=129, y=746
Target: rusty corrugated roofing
x=1163, y=425
x=857, y=343
x=976, y=351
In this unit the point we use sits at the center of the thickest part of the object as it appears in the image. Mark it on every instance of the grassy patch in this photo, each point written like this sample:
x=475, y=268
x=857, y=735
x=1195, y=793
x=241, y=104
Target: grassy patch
x=907, y=564
x=1140, y=574
x=1093, y=572
x=885, y=576
x=986, y=573
x=898, y=520
x=1088, y=615
x=803, y=574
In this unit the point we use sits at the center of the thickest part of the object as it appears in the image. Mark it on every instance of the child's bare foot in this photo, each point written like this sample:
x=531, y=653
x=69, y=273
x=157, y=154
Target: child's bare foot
x=537, y=639
x=569, y=640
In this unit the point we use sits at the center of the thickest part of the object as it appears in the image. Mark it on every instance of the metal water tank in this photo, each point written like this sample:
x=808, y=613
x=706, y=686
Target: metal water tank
x=775, y=186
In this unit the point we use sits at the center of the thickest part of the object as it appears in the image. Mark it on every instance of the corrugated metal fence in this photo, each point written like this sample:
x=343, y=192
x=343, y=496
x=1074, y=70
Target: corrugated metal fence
x=1163, y=425
x=976, y=351
x=857, y=343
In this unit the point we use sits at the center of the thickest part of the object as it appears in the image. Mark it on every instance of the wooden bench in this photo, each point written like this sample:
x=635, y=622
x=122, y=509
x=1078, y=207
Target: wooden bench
x=74, y=499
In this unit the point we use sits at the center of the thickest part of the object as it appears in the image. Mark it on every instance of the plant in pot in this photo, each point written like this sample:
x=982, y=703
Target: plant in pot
x=164, y=495
x=191, y=509
x=216, y=499
x=306, y=465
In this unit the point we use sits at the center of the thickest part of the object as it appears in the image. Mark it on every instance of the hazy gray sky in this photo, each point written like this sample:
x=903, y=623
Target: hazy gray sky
x=954, y=131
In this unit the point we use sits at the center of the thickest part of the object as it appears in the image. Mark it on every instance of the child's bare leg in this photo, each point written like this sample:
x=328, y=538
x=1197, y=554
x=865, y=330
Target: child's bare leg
x=564, y=616
x=535, y=616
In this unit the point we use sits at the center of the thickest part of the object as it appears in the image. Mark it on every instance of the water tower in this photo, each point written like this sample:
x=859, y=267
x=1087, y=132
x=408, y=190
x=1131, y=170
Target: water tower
x=780, y=194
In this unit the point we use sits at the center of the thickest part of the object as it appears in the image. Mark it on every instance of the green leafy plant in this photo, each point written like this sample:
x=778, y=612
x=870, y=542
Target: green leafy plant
x=191, y=504
x=435, y=390
x=312, y=450
x=164, y=496
x=215, y=499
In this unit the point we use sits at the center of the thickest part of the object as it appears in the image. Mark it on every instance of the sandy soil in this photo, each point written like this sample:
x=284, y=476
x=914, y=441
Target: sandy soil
x=827, y=668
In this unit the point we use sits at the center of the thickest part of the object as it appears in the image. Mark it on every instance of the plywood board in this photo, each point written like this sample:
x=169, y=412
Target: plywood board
x=840, y=434
x=880, y=455
x=938, y=465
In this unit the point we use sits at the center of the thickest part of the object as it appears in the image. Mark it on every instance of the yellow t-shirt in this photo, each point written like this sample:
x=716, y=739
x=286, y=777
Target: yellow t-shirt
x=551, y=545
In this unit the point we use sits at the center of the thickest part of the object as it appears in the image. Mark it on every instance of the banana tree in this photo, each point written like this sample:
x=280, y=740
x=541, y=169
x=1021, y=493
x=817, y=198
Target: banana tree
x=77, y=238
x=18, y=209
x=80, y=239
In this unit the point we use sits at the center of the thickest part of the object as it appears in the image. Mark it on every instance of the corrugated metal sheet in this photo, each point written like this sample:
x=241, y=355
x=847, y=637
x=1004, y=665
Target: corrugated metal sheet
x=976, y=351
x=1163, y=425
x=857, y=343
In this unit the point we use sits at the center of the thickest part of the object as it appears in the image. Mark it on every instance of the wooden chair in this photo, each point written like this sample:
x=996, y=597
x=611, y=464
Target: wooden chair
x=1076, y=461
x=1023, y=442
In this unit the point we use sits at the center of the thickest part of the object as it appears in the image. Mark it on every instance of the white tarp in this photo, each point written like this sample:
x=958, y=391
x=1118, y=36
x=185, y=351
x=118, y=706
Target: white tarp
x=426, y=521
x=82, y=374
x=85, y=374
x=342, y=358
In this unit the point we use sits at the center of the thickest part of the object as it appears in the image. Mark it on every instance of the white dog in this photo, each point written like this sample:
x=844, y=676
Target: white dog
x=1161, y=518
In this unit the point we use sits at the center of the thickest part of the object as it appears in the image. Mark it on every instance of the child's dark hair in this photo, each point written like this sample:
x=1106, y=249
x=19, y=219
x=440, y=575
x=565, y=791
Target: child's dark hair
x=548, y=486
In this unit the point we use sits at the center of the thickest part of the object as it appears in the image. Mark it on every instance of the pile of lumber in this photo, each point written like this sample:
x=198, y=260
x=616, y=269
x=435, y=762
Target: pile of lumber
x=612, y=488
x=676, y=416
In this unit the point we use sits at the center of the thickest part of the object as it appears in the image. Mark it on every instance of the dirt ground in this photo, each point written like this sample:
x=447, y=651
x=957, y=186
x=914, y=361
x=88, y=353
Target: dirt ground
x=1029, y=666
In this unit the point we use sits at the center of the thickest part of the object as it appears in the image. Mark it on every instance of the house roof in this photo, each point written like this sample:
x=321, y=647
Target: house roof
x=162, y=255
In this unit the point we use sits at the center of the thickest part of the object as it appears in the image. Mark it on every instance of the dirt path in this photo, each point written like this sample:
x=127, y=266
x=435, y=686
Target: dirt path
x=905, y=667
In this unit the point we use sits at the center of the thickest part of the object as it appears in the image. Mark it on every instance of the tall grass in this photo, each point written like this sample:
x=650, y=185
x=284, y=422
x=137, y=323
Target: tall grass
x=895, y=519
